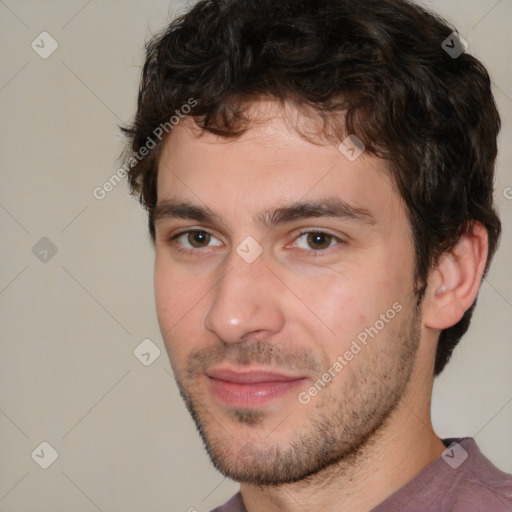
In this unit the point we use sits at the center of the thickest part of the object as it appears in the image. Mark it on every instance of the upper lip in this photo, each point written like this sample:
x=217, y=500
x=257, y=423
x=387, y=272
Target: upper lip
x=246, y=376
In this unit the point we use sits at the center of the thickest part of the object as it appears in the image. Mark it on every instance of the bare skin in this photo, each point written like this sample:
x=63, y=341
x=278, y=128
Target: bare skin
x=296, y=309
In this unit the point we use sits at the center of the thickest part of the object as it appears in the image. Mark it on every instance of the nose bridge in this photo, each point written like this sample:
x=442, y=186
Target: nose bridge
x=245, y=300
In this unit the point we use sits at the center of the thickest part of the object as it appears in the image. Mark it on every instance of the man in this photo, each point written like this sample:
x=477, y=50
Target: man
x=318, y=177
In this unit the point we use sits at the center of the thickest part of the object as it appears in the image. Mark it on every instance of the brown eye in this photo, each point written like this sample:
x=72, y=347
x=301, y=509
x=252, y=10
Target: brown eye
x=318, y=241
x=195, y=239
x=198, y=239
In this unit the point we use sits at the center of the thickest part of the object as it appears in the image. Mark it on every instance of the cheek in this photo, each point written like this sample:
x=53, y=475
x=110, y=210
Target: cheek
x=167, y=290
x=178, y=299
x=328, y=309
x=341, y=304
x=176, y=289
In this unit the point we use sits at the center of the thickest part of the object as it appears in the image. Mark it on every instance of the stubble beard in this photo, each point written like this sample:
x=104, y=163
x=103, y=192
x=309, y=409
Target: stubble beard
x=342, y=421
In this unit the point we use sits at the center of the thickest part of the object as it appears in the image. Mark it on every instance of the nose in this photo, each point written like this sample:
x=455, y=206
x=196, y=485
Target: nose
x=246, y=303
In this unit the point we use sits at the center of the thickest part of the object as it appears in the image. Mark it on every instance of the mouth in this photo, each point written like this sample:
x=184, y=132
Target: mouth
x=250, y=388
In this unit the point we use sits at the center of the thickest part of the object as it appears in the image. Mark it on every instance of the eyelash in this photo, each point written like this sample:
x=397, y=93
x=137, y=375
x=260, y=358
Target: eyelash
x=319, y=252
x=313, y=253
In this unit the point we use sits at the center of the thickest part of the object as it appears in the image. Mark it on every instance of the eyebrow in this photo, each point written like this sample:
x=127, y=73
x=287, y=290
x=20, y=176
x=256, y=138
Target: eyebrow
x=169, y=209
x=303, y=209
x=329, y=207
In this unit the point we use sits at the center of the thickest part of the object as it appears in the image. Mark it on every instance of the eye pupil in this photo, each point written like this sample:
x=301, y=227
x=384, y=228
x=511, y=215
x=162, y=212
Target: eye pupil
x=198, y=238
x=319, y=240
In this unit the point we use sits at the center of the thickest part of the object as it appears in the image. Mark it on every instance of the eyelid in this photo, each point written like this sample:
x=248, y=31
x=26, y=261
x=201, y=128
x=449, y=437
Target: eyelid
x=327, y=231
x=188, y=229
x=318, y=252
x=185, y=231
x=315, y=253
x=304, y=231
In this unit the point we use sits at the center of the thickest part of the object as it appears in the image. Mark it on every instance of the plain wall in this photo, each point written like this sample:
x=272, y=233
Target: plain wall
x=70, y=323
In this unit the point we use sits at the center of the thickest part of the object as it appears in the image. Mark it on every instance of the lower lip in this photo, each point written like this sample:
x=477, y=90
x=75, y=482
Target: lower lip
x=247, y=396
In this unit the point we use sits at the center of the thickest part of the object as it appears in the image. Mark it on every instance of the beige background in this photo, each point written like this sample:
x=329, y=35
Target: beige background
x=70, y=325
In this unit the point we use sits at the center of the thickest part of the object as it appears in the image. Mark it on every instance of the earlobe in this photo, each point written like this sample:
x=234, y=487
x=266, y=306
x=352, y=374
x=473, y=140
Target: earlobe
x=453, y=286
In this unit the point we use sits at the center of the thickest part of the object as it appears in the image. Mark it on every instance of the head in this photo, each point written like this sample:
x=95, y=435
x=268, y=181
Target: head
x=245, y=104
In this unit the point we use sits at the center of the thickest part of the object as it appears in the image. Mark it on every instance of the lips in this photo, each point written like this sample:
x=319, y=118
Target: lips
x=250, y=389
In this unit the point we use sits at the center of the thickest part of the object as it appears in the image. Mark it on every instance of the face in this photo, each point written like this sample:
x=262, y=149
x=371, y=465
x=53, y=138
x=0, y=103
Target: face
x=284, y=292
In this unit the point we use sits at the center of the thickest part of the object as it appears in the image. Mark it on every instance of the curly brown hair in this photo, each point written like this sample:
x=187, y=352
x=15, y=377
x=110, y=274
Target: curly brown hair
x=378, y=63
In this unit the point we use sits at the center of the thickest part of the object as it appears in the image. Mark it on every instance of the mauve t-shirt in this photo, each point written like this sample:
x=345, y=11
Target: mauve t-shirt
x=461, y=480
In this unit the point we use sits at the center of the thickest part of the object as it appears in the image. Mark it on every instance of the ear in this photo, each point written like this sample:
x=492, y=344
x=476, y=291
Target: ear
x=453, y=286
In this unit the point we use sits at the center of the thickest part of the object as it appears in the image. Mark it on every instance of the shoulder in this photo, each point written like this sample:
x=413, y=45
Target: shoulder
x=478, y=484
x=235, y=504
x=462, y=479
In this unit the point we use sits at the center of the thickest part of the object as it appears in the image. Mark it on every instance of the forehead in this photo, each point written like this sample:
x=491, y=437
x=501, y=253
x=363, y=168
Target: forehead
x=272, y=162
